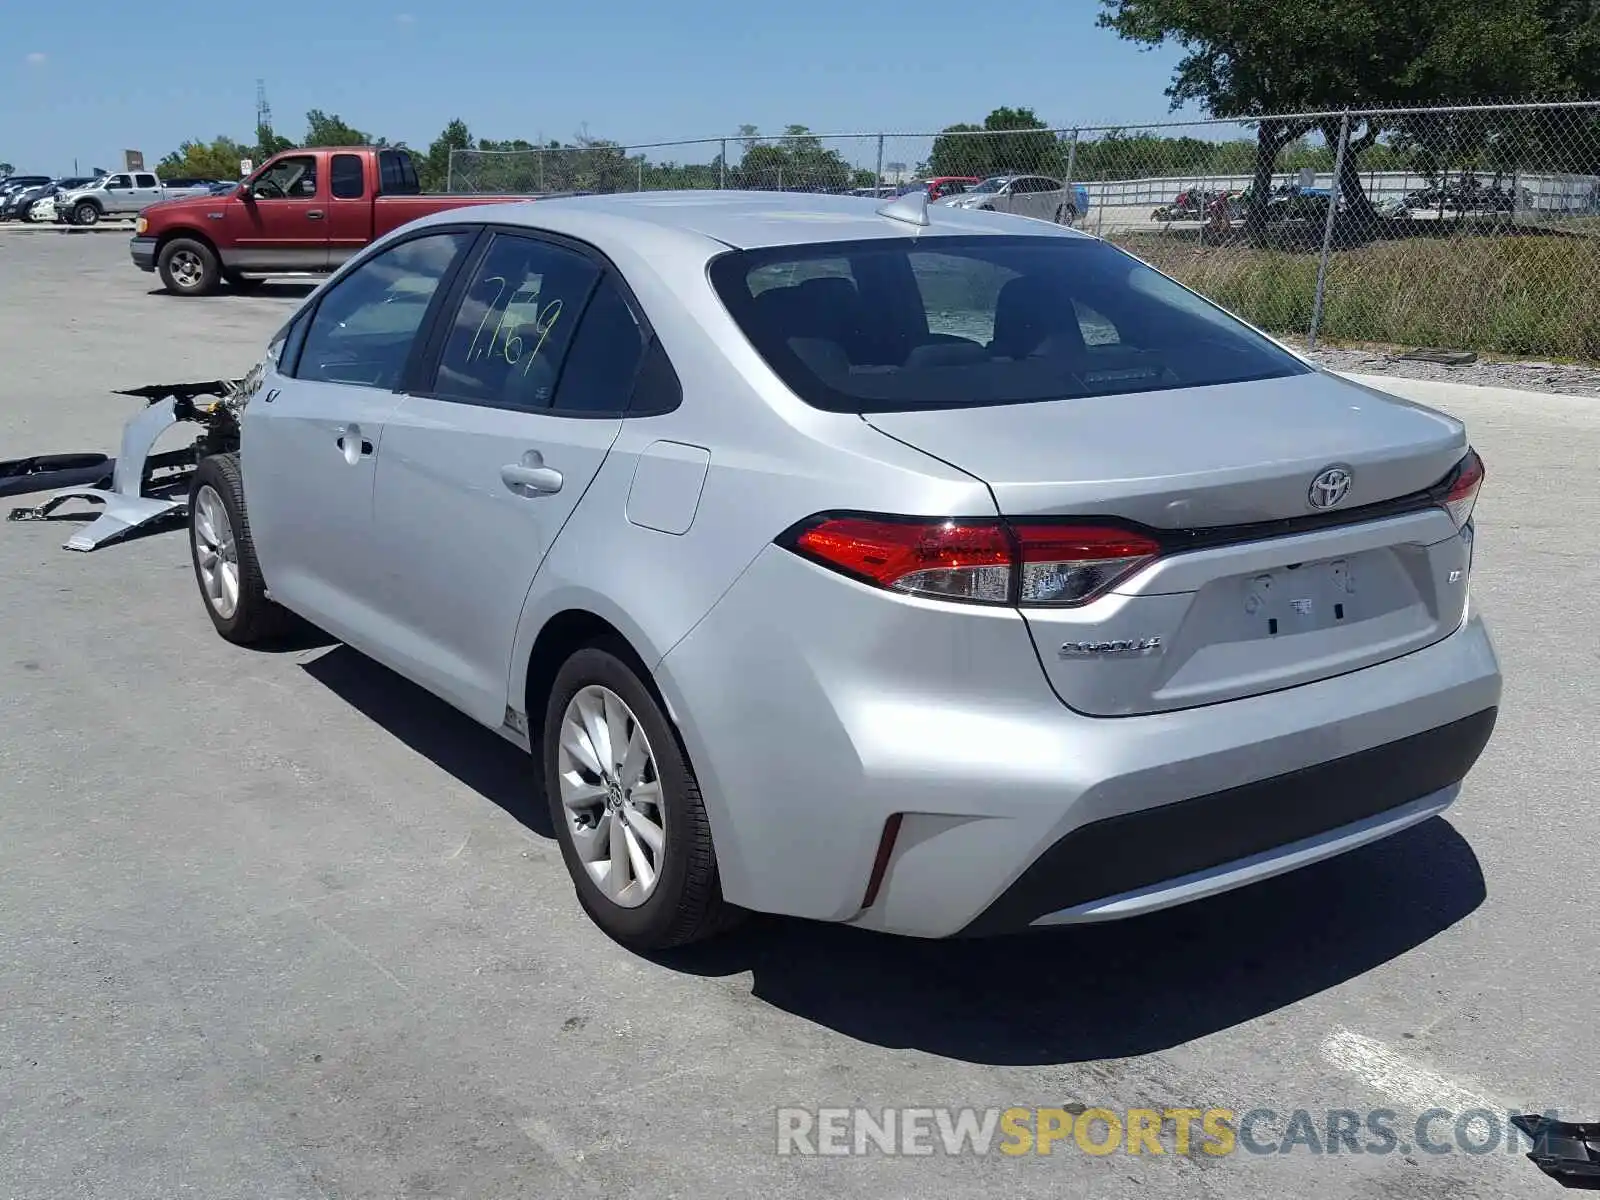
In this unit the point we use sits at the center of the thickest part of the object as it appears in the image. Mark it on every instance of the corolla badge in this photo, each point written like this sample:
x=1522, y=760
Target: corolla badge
x=1119, y=646
x=1330, y=487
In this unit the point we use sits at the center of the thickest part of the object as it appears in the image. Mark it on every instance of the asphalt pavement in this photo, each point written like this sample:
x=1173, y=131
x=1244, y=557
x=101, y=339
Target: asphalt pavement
x=280, y=925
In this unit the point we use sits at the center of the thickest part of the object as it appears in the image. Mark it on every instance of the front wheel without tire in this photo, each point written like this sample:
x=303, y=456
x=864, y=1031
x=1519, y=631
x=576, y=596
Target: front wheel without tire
x=189, y=268
x=626, y=807
x=224, y=555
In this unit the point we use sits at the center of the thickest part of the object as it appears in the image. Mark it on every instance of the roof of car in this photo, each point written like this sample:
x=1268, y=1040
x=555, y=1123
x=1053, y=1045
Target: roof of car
x=746, y=220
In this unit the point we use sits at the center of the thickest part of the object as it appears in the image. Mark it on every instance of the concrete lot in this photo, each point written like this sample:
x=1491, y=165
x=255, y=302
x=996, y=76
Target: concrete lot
x=279, y=925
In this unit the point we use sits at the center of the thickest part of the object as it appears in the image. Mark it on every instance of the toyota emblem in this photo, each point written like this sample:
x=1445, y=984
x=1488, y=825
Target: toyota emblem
x=1330, y=487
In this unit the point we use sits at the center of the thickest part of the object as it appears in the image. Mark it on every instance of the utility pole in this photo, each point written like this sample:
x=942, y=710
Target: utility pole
x=263, y=114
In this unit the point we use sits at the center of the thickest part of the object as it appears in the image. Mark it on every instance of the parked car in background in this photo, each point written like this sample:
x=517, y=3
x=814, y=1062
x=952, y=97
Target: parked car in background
x=124, y=194
x=24, y=204
x=1037, y=196
x=940, y=187
x=11, y=185
x=301, y=212
x=935, y=572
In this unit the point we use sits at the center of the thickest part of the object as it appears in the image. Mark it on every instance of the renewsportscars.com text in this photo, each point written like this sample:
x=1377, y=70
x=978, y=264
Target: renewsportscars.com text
x=1216, y=1132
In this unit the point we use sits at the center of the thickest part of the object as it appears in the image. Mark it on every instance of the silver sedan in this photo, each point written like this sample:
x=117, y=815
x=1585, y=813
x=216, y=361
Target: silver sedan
x=933, y=571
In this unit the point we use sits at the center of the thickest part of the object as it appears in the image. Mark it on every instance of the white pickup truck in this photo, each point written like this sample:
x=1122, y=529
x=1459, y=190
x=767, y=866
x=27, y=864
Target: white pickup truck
x=125, y=194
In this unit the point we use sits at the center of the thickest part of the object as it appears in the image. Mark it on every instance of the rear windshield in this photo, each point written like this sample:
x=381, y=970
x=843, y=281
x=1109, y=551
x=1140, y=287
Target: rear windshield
x=948, y=322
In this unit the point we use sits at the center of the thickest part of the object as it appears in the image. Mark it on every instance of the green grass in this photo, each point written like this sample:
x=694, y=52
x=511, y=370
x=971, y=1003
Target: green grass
x=1526, y=296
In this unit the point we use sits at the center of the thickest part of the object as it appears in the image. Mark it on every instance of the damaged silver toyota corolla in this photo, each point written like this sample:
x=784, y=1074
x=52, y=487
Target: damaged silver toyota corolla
x=942, y=577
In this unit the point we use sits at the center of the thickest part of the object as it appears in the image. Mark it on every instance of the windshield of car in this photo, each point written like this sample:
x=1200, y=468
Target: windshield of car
x=992, y=184
x=948, y=322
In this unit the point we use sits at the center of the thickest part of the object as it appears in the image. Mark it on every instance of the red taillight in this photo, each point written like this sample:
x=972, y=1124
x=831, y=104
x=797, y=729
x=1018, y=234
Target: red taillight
x=987, y=562
x=1463, y=493
x=954, y=560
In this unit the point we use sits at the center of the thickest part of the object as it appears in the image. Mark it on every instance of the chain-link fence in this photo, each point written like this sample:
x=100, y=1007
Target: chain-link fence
x=1470, y=227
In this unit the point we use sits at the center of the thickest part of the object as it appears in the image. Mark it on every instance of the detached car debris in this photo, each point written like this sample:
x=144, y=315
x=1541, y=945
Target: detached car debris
x=136, y=488
x=1567, y=1151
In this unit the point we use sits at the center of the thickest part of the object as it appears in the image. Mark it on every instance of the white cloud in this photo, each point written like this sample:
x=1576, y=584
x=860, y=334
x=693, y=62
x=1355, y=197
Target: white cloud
x=37, y=57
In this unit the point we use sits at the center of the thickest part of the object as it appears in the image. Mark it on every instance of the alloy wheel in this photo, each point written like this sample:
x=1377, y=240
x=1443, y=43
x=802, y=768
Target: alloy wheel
x=216, y=552
x=611, y=796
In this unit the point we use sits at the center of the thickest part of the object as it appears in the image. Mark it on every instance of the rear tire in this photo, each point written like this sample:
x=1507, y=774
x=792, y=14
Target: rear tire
x=642, y=807
x=188, y=268
x=224, y=556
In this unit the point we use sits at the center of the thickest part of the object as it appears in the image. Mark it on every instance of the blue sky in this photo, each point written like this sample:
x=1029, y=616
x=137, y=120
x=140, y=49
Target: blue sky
x=147, y=75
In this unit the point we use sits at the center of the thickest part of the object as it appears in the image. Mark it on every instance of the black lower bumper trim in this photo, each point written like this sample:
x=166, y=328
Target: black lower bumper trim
x=1136, y=850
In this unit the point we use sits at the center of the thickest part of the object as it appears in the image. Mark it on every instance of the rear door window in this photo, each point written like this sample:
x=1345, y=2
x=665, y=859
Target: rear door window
x=508, y=340
x=956, y=321
x=347, y=176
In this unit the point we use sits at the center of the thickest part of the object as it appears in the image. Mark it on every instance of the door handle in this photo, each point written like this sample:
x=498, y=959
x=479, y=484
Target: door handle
x=531, y=478
x=314, y=215
x=352, y=445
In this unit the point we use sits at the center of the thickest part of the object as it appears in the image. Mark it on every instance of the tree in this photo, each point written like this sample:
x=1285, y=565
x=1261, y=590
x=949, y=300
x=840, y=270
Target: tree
x=1010, y=140
x=433, y=168
x=1255, y=58
x=325, y=129
x=269, y=143
x=795, y=161
x=959, y=150
x=6, y=169
x=216, y=159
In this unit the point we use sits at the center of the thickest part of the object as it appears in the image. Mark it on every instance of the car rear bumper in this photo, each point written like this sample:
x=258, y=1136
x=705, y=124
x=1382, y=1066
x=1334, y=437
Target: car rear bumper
x=143, y=251
x=1156, y=857
x=815, y=709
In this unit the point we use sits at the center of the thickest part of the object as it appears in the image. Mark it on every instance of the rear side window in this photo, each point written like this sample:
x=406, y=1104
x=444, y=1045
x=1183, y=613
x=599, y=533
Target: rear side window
x=946, y=322
x=146, y=181
x=510, y=336
x=604, y=358
x=348, y=180
x=396, y=175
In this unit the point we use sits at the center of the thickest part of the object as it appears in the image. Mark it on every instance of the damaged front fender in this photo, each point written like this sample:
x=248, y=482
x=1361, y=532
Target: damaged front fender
x=144, y=487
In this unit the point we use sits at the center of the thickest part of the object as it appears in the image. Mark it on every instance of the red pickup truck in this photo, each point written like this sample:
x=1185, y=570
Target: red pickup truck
x=303, y=211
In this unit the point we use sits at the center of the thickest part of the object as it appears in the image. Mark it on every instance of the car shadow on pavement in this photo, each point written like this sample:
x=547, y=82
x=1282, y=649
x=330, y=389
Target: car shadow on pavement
x=1077, y=994
x=1118, y=989
x=479, y=758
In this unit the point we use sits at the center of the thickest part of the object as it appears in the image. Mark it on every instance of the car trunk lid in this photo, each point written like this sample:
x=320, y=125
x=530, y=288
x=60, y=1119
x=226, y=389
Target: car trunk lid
x=1256, y=587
